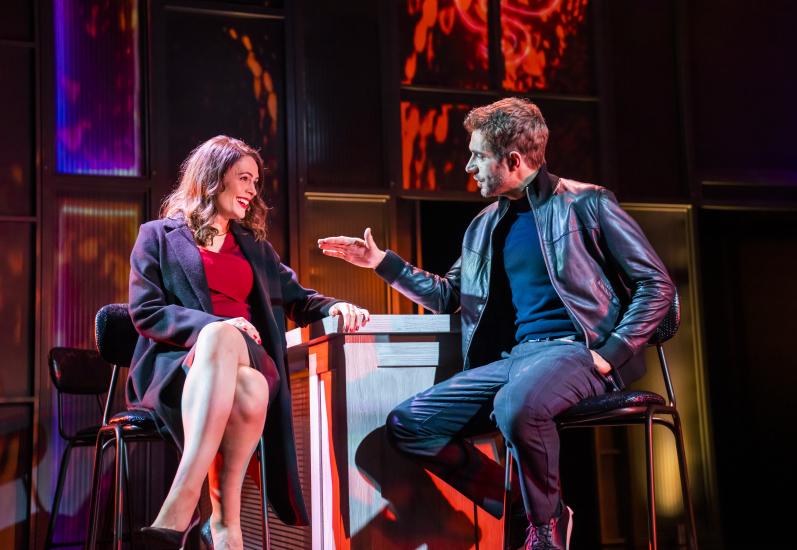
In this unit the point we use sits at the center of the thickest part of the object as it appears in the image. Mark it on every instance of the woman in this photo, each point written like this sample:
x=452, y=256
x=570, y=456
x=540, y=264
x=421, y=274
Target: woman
x=208, y=296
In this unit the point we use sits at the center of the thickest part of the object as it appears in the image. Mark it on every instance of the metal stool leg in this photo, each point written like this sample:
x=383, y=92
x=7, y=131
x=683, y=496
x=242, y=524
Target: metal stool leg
x=651, y=487
x=94, y=506
x=128, y=507
x=509, y=464
x=263, y=494
x=687, y=499
x=119, y=489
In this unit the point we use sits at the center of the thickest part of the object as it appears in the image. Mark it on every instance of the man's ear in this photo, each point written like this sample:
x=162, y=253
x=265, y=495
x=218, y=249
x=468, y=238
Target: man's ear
x=513, y=160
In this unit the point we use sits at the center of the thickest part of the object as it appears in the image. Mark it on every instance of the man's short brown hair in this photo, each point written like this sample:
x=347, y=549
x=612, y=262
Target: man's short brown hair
x=510, y=124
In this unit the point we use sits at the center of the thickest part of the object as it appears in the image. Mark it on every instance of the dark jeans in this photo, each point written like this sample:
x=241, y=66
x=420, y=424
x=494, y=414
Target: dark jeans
x=521, y=394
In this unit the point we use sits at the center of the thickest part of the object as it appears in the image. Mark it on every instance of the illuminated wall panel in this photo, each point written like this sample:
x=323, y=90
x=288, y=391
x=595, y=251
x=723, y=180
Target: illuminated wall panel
x=97, y=87
x=95, y=237
x=445, y=43
x=434, y=147
x=546, y=45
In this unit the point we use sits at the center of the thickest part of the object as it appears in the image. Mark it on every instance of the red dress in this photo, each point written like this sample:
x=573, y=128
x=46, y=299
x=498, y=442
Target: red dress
x=230, y=279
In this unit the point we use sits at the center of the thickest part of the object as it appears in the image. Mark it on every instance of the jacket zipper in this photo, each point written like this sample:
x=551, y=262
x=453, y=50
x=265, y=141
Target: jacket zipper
x=548, y=268
x=489, y=282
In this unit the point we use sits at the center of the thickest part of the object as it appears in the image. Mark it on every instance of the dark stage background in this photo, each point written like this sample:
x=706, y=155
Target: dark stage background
x=684, y=108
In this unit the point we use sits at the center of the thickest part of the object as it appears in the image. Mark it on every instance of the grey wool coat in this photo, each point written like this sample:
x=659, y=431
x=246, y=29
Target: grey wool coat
x=170, y=304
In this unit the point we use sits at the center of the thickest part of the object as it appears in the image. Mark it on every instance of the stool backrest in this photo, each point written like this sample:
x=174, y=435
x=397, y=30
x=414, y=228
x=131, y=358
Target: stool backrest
x=669, y=325
x=115, y=334
x=76, y=371
x=666, y=330
x=79, y=371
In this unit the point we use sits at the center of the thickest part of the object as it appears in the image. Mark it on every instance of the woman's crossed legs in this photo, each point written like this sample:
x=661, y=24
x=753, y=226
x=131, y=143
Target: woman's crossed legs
x=224, y=406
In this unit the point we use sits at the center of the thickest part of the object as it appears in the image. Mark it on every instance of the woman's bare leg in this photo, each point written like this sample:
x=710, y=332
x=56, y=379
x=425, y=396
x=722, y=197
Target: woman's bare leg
x=244, y=427
x=207, y=401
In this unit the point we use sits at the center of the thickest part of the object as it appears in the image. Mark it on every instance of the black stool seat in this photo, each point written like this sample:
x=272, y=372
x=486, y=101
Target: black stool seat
x=140, y=418
x=612, y=401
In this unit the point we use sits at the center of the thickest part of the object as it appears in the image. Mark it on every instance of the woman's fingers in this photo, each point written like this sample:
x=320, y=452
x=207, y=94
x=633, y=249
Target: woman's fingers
x=247, y=327
x=353, y=317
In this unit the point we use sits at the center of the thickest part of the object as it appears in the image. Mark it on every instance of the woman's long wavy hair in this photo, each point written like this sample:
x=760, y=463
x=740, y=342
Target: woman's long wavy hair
x=201, y=181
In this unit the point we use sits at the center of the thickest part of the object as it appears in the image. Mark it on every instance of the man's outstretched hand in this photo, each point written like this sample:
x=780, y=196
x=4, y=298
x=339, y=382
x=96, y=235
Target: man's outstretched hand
x=360, y=252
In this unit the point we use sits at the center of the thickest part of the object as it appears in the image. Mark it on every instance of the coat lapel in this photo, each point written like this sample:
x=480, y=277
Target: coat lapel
x=253, y=253
x=185, y=250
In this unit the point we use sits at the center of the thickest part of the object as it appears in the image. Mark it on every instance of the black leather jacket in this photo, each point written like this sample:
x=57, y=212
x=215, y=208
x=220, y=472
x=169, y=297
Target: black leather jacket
x=614, y=286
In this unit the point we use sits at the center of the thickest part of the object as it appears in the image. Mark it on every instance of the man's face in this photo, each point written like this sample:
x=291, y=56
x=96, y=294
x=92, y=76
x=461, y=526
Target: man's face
x=489, y=172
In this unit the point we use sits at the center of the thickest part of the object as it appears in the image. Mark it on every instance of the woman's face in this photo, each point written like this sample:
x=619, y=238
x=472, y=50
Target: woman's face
x=239, y=190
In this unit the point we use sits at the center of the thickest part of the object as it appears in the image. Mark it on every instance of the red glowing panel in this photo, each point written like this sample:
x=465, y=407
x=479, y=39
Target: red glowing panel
x=444, y=42
x=546, y=46
x=434, y=147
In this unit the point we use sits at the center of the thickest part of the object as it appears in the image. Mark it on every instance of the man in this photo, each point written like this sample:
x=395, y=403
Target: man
x=558, y=291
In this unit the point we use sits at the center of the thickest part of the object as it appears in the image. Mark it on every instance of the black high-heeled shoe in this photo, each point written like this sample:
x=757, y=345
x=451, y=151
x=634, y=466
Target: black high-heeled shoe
x=160, y=538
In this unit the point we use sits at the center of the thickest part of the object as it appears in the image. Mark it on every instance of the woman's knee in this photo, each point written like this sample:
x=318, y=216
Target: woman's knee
x=219, y=338
x=251, y=395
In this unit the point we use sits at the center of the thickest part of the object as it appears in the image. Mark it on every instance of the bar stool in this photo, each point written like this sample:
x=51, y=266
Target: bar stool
x=632, y=408
x=116, y=339
x=75, y=372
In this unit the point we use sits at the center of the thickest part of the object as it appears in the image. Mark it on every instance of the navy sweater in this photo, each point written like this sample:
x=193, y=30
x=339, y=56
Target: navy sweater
x=539, y=312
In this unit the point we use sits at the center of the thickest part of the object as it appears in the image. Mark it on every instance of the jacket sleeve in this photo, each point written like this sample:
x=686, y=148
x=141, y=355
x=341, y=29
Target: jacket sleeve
x=652, y=290
x=302, y=305
x=436, y=293
x=152, y=315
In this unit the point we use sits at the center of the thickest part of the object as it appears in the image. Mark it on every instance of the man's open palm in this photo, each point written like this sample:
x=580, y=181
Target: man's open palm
x=360, y=252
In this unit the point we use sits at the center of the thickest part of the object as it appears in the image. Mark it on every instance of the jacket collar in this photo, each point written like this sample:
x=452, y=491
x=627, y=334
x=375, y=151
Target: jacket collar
x=542, y=186
x=538, y=190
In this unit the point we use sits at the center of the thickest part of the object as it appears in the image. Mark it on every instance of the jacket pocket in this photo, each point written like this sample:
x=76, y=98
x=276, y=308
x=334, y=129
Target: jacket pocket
x=604, y=289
